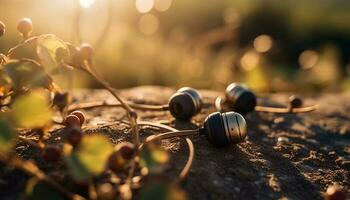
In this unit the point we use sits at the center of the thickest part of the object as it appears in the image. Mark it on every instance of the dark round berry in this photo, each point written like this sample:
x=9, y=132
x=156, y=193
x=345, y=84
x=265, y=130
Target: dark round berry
x=51, y=153
x=334, y=192
x=116, y=162
x=295, y=102
x=2, y=28
x=74, y=136
x=80, y=115
x=127, y=150
x=60, y=100
x=86, y=51
x=72, y=121
x=25, y=26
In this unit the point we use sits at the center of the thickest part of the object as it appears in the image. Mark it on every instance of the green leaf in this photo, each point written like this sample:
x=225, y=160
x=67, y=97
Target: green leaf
x=90, y=158
x=153, y=156
x=26, y=74
x=162, y=191
x=38, y=190
x=79, y=171
x=32, y=110
x=51, y=50
x=7, y=136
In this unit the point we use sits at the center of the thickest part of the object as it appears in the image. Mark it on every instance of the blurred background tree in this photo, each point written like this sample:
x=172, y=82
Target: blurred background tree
x=290, y=45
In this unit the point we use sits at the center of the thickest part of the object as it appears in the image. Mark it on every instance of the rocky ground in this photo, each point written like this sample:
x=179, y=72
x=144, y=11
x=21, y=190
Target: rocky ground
x=285, y=156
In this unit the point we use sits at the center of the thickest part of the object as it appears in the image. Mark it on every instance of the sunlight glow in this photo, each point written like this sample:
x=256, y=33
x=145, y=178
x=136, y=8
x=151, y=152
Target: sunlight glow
x=86, y=3
x=148, y=24
x=144, y=6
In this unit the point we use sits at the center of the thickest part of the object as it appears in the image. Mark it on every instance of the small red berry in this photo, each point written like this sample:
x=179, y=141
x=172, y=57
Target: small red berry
x=80, y=115
x=25, y=26
x=51, y=153
x=295, y=102
x=86, y=51
x=127, y=150
x=74, y=136
x=72, y=121
x=334, y=192
x=2, y=28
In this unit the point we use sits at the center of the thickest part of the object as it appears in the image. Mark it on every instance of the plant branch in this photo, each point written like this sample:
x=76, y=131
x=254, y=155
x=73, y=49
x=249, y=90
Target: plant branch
x=132, y=116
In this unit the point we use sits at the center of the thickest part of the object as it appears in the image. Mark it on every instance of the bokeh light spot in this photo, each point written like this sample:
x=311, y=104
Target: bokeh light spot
x=144, y=6
x=263, y=43
x=86, y=3
x=232, y=17
x=148, y=24
x=250, y=60
x=308, y=59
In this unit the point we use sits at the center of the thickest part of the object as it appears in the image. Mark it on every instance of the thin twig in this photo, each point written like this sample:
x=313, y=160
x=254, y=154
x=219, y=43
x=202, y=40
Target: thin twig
x=132, y=116
x=28, y=141
x=96, y=104
x=286, y=110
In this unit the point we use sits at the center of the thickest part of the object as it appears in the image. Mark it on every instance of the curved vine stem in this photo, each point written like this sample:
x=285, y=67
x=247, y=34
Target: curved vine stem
x=174, y=133
x=90, y=105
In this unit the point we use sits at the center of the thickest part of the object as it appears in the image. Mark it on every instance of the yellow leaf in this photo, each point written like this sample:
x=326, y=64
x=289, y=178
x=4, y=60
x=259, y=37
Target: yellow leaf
x=32, y=110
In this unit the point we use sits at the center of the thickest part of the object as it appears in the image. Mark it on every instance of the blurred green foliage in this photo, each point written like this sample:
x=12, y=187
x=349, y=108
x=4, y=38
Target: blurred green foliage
x=305, y=45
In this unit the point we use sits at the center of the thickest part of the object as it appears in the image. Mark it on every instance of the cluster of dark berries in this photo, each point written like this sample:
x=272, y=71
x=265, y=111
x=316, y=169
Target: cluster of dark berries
x=73, y=123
